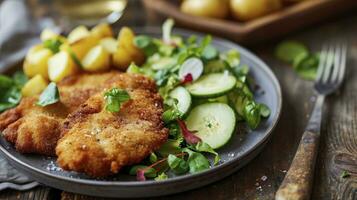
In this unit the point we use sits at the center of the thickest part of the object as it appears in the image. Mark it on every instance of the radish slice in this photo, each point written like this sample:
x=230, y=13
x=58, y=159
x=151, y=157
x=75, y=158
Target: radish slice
x=193, y=66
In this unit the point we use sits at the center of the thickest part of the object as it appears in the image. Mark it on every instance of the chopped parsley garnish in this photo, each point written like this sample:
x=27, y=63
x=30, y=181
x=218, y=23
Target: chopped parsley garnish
x=115, y=97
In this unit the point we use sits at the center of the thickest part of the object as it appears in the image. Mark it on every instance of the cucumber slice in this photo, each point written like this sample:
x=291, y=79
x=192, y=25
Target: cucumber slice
x=183, y=97
x=164, y=63
x=214, y=123
x=212, y=85
x=193, y=66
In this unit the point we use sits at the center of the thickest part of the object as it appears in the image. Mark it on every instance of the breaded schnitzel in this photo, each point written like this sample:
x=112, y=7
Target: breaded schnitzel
x=36, y=129
x=100, y=143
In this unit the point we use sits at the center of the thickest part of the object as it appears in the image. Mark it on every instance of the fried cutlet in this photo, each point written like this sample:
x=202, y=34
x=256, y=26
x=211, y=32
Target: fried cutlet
x=36, y=129
x=99, y=143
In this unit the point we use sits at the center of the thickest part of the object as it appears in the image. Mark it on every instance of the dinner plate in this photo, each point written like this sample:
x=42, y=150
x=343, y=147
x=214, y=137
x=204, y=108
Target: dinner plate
x=242, y=148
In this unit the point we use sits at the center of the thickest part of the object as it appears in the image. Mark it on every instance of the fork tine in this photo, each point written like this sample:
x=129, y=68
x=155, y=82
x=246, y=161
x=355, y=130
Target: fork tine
x=336, y=64
x=322, y=61
x=328, y=66
x=343, y=63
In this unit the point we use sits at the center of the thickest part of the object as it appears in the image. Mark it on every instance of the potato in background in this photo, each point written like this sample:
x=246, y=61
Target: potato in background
x=206, y=8
x=244, y=10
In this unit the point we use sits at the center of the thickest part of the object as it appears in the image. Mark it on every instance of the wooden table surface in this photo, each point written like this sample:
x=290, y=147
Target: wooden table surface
x=261, y=178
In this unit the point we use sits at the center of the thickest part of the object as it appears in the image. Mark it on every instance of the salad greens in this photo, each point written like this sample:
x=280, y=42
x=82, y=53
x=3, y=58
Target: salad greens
x=10, y=89
x=189, y=73
x=297, y=54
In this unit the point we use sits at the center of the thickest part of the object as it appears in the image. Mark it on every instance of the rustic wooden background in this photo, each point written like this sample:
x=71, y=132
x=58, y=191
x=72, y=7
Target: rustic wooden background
x=261, y=177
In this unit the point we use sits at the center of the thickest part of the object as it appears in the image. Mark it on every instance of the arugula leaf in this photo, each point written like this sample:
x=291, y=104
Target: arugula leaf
x=114, y=98
x=161, y=177
x=149, y=172
x=53, y=44
x=49, y=96
x=204, y=147
x=177, y=165
x=196, y=161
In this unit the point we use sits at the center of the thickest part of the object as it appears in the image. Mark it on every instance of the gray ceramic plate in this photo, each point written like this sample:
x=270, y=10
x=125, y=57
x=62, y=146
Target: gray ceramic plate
x=240, y=150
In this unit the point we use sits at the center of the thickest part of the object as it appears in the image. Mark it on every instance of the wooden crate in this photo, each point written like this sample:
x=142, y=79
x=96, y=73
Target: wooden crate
x=289, y=19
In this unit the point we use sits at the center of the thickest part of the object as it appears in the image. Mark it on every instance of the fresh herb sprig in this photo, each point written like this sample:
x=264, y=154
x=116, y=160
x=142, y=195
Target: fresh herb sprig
x=114, y=98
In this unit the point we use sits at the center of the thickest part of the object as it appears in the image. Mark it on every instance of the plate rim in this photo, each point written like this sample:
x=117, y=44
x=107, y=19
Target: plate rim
x=156, y=30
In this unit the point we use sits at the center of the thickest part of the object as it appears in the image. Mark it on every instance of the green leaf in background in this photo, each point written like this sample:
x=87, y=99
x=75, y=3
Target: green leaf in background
x=49, y=96
x=146, y=44
x=177, y=165
x=306, y=65
x=232, y=57
x=20, y=78
x=114, y=98
x=161, y=177
x=53, y=44
x=288, y=50
x=149, y=172
x=204, y=147
x=10, y=90
x=196, y=161
x=264, y=110
x=209, y=53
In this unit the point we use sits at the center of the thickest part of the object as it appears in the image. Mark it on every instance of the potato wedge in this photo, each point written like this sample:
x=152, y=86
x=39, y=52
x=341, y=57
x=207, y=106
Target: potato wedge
x=102, y=30
x=109, y=44
x=36, y=61
x=126, y=41
x=48, y=34
x=61, y=65
x=121, y=59
x=34, y=86
x=77, y=34
x=97, y=59
x=81, y=47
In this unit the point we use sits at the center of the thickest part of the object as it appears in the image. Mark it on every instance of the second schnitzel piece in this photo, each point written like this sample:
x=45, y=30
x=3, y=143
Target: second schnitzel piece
x=99, y=143
x=35, y=129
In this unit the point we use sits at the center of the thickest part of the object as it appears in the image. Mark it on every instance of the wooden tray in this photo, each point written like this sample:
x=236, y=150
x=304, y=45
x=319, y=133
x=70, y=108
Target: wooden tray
x=289, y=19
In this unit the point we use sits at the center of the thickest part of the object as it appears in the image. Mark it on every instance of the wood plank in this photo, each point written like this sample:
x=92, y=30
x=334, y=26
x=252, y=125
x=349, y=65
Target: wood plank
x=38, y=193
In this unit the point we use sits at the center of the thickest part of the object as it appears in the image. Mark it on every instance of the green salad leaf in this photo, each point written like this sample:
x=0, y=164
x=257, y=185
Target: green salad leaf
x=149, y=171
x=115, y=97
x=177, y=165
x=288, y=50
x=204, y=147
x=161, y=177
x=49, y=96
x=196, y=161
x=10, y=88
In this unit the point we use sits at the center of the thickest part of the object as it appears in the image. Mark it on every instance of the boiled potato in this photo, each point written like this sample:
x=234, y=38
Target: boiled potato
x=61, y=65
x=77, y=34
x=48, y=34
x=122, y=59
x=81, y=47
x=109, y=44
x=206, y=8
x=102, y=30
x=34, y=86
x=97, y=59
x=36, y=61
x=245, y=10
x=126, y=42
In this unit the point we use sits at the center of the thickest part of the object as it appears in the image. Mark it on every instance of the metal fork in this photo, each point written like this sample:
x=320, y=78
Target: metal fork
x=298, y=181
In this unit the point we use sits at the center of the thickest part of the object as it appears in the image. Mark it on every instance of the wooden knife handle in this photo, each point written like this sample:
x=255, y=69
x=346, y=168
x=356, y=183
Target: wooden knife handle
x=298, y=181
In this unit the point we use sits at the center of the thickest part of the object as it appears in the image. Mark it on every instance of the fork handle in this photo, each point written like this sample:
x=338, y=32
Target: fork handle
x=298, y=181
